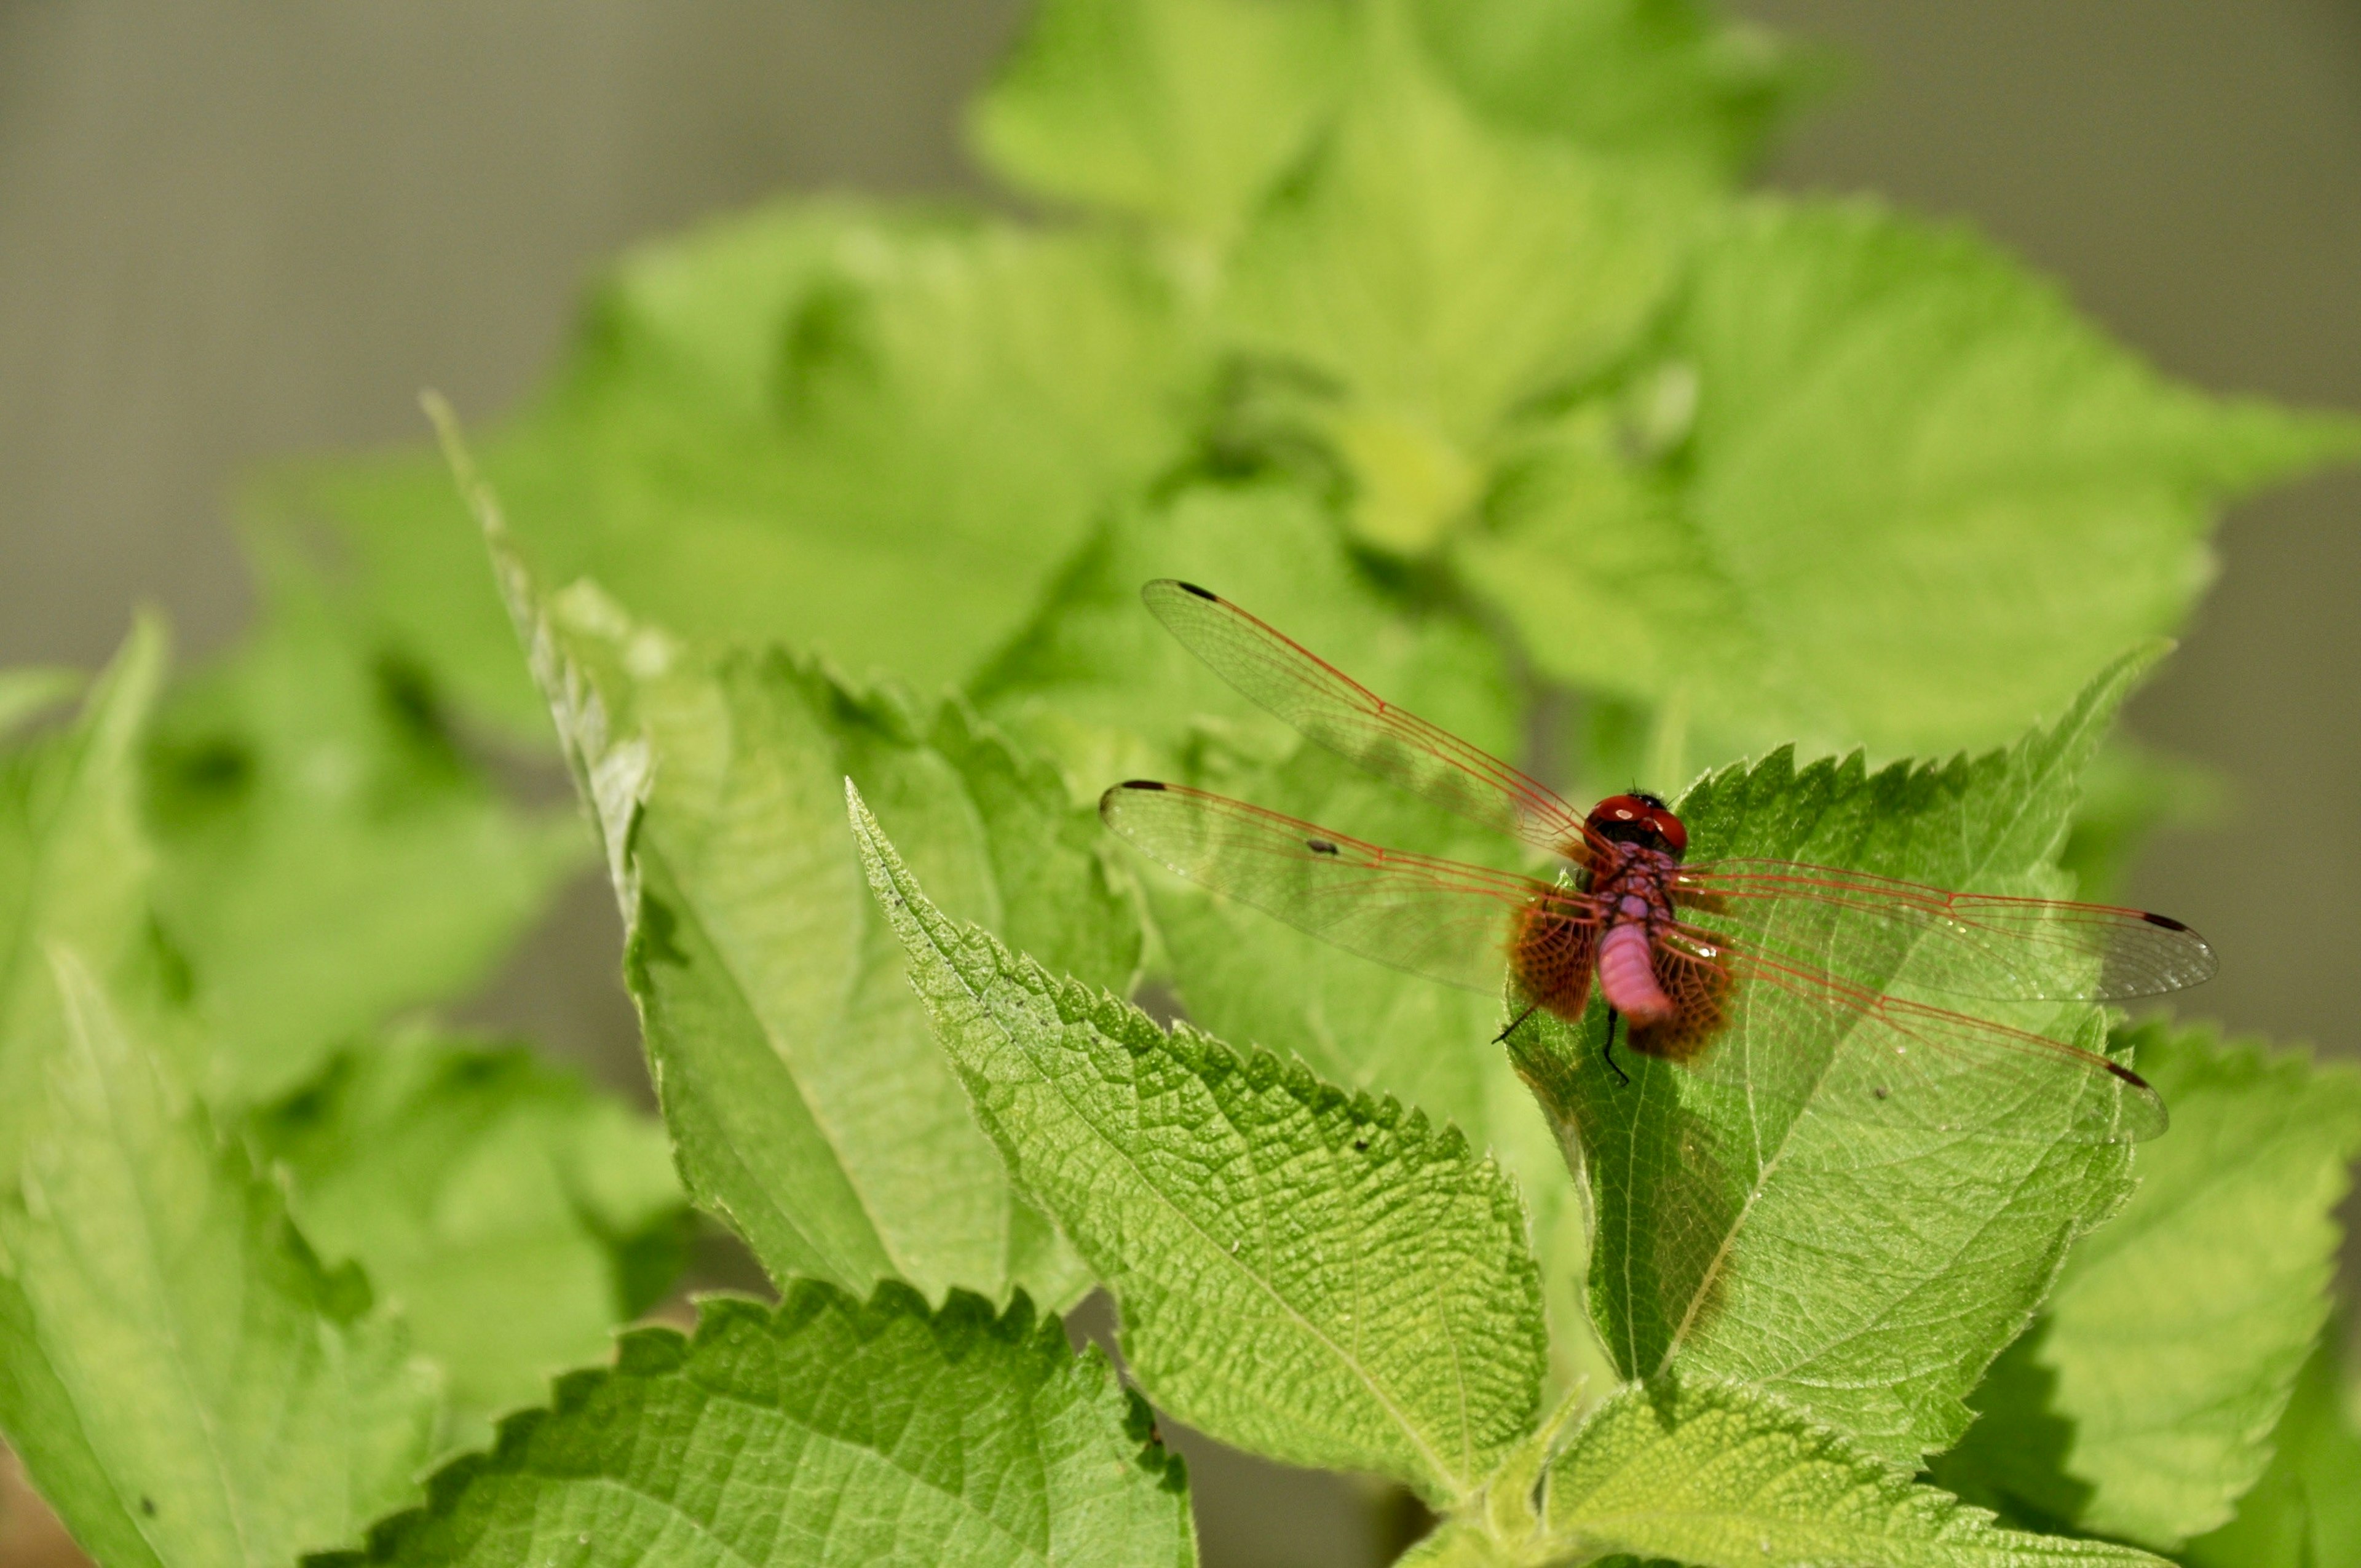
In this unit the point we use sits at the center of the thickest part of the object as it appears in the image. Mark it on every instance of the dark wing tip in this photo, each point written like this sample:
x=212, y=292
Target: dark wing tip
x=1137, y=784
x=1193, y=589
x=2128, y=1076
x=2167, y=921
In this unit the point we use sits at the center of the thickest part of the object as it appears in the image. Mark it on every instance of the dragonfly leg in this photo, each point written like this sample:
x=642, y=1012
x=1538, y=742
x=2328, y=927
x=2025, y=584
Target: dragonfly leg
x=1519, y=1023
x=1608, y=1051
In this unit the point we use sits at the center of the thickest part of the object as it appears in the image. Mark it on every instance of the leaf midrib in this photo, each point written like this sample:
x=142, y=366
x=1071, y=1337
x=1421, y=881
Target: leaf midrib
x=1222, y=1254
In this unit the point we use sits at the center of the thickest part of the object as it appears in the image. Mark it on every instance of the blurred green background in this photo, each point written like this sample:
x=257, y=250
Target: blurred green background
x=229, y=234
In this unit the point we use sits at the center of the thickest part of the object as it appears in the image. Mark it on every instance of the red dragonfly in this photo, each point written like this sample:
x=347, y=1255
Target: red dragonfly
x=1804, y=956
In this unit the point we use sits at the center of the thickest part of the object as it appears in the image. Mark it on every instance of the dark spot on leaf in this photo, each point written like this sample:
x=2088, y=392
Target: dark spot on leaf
x=148, y=1506
x=1879, y=1092
x=1361, y=1144
x=1320, y=846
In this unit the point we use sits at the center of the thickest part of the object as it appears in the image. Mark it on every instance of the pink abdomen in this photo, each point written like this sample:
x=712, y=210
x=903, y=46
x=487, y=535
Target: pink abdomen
x=1627, y=977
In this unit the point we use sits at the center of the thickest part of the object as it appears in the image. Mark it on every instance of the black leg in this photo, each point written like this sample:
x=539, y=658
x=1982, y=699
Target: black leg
x=1530, y=1010
x=1609, y=1052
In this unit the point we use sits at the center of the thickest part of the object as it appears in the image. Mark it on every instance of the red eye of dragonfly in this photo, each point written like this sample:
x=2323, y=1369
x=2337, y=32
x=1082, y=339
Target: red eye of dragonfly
x=1824, y=965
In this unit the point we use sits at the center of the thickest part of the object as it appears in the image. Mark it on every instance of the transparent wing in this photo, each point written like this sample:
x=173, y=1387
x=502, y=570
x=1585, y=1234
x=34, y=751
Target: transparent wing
x=1876, y=930
x=1798, y=1038
x=1439, y=918
x=1348, y=719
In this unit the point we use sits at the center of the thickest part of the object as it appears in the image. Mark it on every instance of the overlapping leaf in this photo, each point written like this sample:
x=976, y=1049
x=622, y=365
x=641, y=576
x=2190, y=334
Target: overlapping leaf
x=1180, y=111
x=73, y=868
x=1886, y=490
x=1725, y=1476
x=873, y=434
x=1443, y=275
x=1673, y=80
x=184, y=1382
x=516, y=1215
x=2143, y=1403
x=810, y=1107
x=825, y=1431
x=327, y=853
x=2305, y=1512
x=1306, y=1274
x=1866, y=1267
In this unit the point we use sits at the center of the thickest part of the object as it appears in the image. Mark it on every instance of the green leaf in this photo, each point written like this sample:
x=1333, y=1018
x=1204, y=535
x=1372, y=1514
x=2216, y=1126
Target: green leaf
x=1094, y=681
x=1443, y=275
x=1885, y=489
x=1726, y=1477
x=1180, y=111
x=2306, y=1511
x=1302, y=1273
x=1642, y=76
x=823, y=1431
x=184, y=1382
x=516, y=1214
x=73, y=868
x=328, y=854
x=1866, y=1261
x=867, y=435
x=2142, y=1406
x=29, y=689
x=808, y=1103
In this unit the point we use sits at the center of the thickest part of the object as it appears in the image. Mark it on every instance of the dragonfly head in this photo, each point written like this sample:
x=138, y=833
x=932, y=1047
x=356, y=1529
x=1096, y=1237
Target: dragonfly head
x=1643, y=819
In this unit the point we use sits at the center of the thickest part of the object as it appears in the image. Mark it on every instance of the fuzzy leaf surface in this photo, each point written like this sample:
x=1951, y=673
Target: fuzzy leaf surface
x=826, y=1431
x=1302, y=1273
x=1886, y=489
x=808, y=1104
x=1863, y=1259
x=185, y=1383
x=1725, y=1476
x=517, y=1215
x=2142, y=1404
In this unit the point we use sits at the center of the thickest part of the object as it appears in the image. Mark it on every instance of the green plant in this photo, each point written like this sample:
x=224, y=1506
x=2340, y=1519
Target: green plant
x=1438, y=332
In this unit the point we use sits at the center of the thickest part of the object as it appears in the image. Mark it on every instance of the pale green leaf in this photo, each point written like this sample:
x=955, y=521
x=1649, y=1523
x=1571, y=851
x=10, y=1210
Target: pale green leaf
x=1726, y=1476
x=328, y=853
x=2306, y=1511
x=73, y=868
x=823, y=1432
x=1442, y=274
x=1096, y=682
x=184, y=1382
x=1658, y=77
x=26, y=690
x=1304, y=1273
x=808, y=1105
x=1180, y=111
x=2143, y=1403
x=1865, y=1258
x=871, y=435
x=516, y=1215
x=1885, y=489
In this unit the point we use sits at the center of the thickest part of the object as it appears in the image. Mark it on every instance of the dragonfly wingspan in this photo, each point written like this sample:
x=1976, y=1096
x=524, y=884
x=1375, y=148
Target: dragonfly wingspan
x=1439, y=918
x=1330, y=707
x=1877, y=929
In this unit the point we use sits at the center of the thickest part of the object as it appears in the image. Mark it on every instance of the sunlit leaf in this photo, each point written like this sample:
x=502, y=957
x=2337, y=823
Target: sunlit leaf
x=1302, y=1273
x=182, y=1380
x=1863, y=1257
x=825, y=1431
